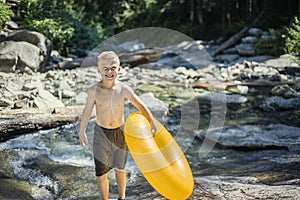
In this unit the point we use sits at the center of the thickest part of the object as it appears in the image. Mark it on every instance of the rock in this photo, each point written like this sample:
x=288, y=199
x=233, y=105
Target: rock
x=231, y=50
x=245, y=49
x=284, y=90
x=273, y=104
x=261, y=70
x=89, y=61
x=249, y=39
x=12, y=25
x=240, y=187
x=294, y=118
x=32, y=37
x=36, y=39
x=19, y=55
x=6, y=102
x=283, y=61
x=46, y=100
x=32, y=84
x=255, y=32
x=293, y=70
x=220, y=97
x=19, y=104
x=157, y=107
x=239, y=89
x=189, y=73
x=14, y=189
x=130, y=47
x=226, y=58
x=256, y=137
x=69, y=64
x=68, y=94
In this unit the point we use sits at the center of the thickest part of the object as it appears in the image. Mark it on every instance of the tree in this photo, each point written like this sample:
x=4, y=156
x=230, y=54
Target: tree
x=5, y=14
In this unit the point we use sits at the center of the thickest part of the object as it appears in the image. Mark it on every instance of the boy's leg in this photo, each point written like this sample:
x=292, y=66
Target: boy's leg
x=121, y=181
x=103, y=186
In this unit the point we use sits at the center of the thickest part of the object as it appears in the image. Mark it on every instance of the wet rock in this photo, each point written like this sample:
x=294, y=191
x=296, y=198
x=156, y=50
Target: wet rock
x=220, y=97
x=14, y=189
x=234, y=188
x=256, y=137
x=273, y=104
x=294, y=118
x=245, y=49
x=249, y=39
x=255, y=31
x=227, y=58
x=285, y=91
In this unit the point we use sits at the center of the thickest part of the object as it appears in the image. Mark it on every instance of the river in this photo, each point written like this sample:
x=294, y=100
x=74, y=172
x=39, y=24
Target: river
x=51, y=164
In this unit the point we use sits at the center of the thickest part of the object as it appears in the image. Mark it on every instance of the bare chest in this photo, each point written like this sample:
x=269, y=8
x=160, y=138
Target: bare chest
x=108, y=99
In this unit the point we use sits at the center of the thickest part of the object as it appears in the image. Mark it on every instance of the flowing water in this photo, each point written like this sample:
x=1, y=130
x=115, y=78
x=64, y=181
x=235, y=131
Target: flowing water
x=55, y=166
x=51, y=164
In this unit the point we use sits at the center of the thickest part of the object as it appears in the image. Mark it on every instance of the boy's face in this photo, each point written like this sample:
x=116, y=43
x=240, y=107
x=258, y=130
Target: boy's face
x=109, y=72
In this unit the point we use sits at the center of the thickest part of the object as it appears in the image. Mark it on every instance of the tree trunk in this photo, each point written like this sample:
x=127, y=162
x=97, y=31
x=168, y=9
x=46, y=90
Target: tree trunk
x=299, y=9
x=224, y=12
x=192, y=8
x=19, y=121
x=200, y=12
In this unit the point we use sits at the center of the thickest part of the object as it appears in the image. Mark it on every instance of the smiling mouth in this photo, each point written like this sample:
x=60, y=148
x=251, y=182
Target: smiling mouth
x=109, y=76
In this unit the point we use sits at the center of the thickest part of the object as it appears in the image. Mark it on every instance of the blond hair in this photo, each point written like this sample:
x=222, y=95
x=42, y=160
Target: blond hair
x=106, y=58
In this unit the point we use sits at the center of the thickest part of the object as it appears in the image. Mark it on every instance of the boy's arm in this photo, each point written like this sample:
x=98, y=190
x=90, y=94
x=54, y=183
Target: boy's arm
x=139, y=104
x=86, y=114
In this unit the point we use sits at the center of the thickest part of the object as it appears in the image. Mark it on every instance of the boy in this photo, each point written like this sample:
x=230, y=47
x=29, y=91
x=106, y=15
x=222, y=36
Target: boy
x=109, y=147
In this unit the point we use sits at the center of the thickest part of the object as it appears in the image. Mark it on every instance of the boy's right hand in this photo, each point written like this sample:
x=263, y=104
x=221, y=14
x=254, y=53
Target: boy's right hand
x=153, y=128
x=83, y=139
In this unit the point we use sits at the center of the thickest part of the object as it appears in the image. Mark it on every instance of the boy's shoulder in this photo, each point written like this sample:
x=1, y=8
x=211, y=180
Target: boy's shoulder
x=92, y=89
x=123, y=85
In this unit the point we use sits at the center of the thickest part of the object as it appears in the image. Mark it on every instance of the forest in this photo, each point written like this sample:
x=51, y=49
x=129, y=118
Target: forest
x=76, y=26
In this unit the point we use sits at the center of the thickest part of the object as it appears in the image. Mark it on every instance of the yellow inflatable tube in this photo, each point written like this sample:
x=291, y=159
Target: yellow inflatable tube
x=159, y=158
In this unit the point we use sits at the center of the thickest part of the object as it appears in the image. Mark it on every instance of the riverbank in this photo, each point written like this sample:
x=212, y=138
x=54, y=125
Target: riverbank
x=248, y=112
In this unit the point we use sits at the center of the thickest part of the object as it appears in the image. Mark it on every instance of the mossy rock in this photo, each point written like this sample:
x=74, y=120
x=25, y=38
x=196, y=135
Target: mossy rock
x=13, y=189
x=294, y=118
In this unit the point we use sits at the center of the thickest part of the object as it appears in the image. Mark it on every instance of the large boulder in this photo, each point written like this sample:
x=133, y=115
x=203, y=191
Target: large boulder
x=18, y=43
x=17, y=55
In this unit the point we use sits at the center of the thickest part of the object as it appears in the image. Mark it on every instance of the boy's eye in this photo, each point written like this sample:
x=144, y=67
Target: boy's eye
x=109, y=69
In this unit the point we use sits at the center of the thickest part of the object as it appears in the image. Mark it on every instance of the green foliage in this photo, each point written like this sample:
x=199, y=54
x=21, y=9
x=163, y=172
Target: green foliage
x=85, y=23
x=57, y=31
x=5, y=14
x=271, y=44
x=64, y=23
x=292, y=41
